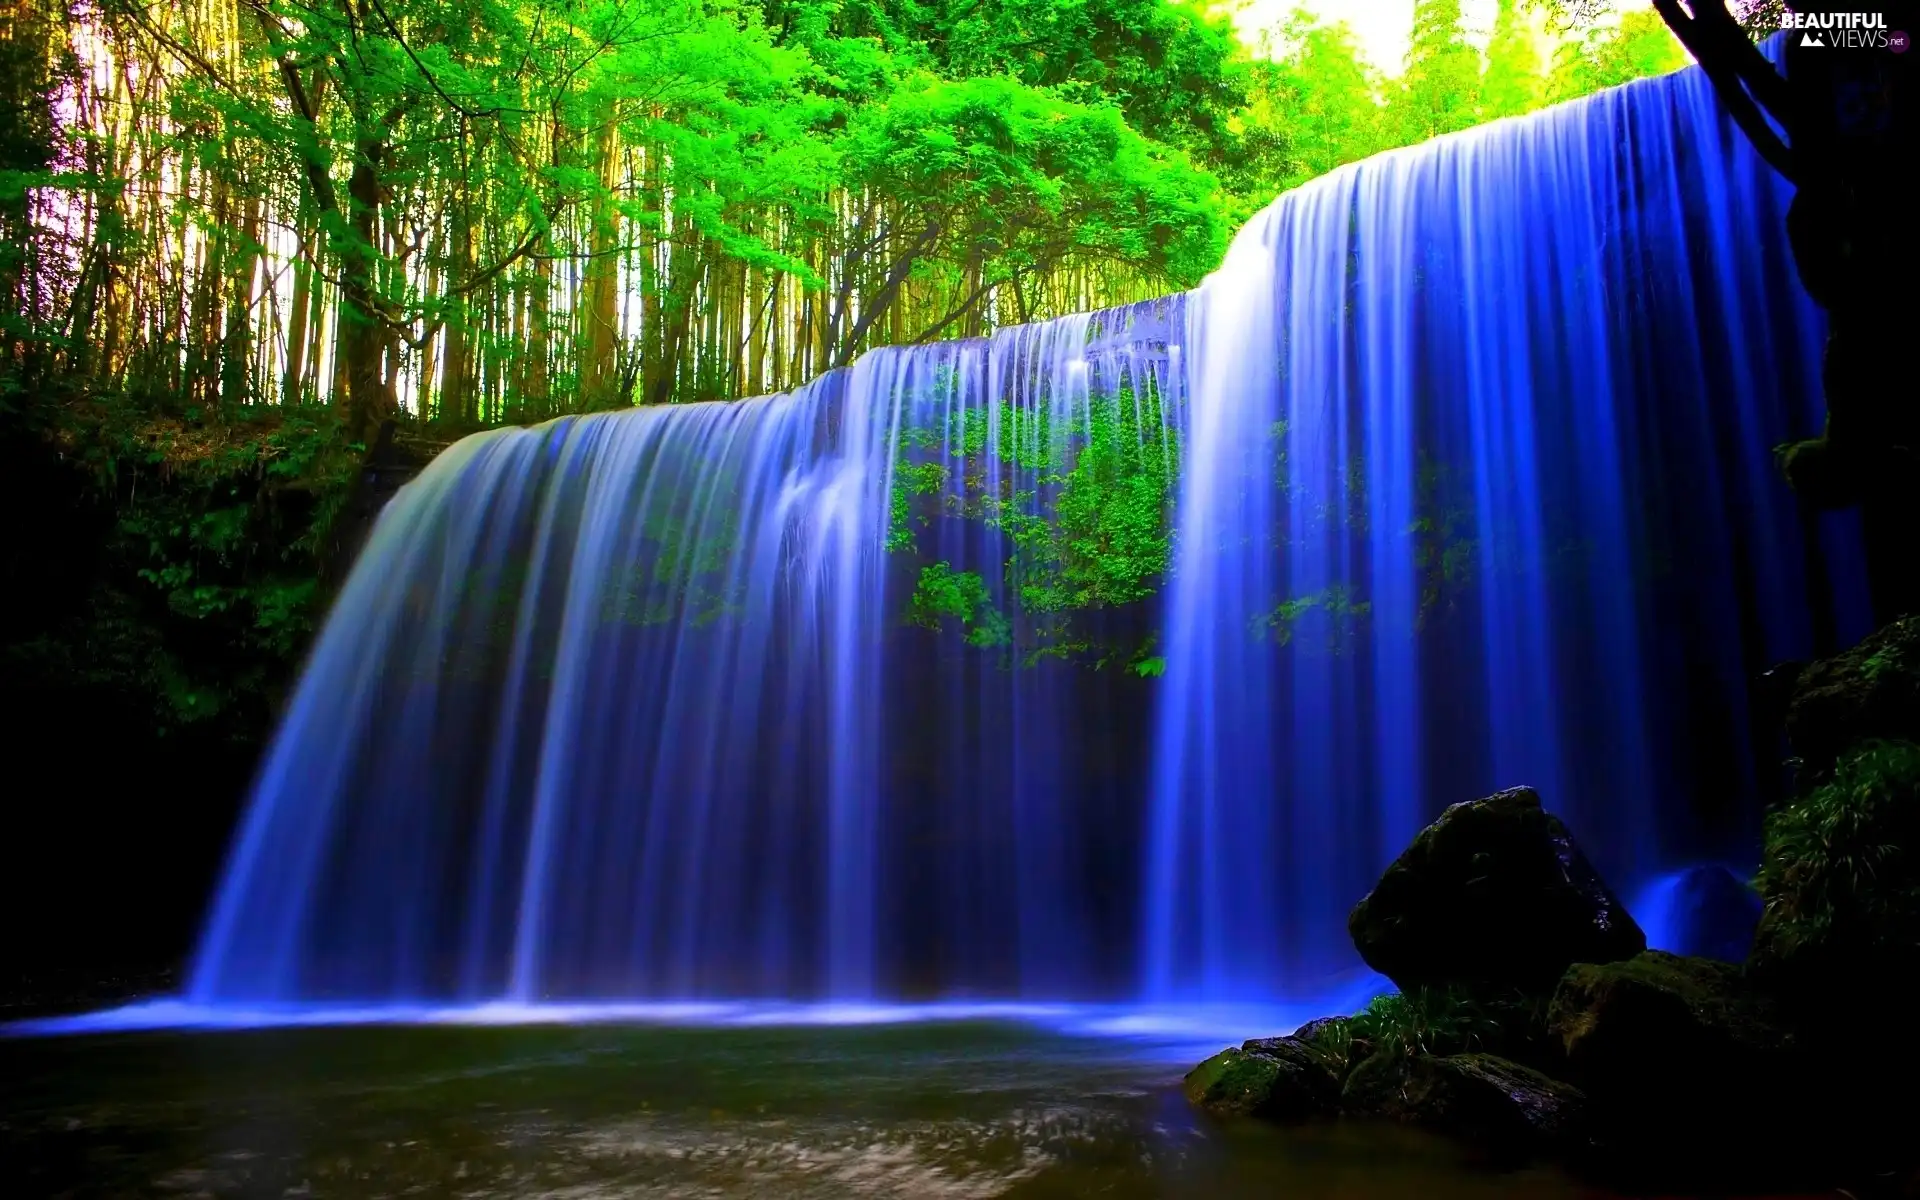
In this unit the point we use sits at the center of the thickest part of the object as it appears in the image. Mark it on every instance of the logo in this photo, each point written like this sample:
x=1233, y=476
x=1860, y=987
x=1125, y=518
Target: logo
x=1849, y=31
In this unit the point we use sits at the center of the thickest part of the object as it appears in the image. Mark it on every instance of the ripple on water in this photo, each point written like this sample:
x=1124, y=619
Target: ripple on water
x=964, y=1159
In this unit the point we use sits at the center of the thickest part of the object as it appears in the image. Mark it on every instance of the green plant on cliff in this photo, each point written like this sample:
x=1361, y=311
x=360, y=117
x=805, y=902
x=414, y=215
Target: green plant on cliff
x=943, y=593
x=209, y=529
x=1841, y=866
x=1080, y=507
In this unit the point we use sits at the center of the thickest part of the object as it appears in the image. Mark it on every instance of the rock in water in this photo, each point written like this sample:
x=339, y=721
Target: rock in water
x=1498, y=1105
x=1278, y=1079
x=1493, y=893
x=1495, y=1104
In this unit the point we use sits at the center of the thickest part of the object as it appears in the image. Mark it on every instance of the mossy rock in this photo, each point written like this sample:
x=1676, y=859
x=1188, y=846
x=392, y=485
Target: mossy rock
x=1232, y=1083
x=1376, y=1087
x=1341, y=1040
x=1310, y=1076
x=1870, y=692
x=1691, y=1072
x=1275, y=1079
x=1614, y=1019
x=1494, y=895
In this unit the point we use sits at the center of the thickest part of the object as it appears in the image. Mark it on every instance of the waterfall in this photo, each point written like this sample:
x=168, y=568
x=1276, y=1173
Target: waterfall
x=1481, y=437
x=603, y=709
x=1107, y=657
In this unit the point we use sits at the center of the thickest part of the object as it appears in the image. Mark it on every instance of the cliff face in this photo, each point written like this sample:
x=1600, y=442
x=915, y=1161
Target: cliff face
x=163, y=574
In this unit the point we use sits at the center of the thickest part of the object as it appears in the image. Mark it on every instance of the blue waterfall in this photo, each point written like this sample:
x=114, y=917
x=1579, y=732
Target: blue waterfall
x=1480, y=459
x=1461, y=471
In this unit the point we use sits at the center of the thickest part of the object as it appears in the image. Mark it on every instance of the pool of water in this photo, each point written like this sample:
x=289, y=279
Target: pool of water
x=914, y=1110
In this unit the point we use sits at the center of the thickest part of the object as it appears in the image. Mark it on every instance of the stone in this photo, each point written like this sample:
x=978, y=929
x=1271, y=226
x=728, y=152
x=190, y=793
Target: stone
x=1686, y=1066
x=1376, y=1087
x=1323, y=1028
x=1619, y=1021
x=1493, y=894
x=1870, y=692
x=1276, y=1079
x=1309, y=1081
x=1498, y=1106
x=1495, y=1104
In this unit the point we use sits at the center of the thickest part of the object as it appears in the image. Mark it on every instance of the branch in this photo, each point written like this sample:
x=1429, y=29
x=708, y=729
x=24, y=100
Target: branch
x=1721, y=47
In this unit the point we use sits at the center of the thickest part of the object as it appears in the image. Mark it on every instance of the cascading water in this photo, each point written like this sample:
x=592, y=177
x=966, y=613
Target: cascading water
x=603, y=711
x=867, y=691
x=1481, y=436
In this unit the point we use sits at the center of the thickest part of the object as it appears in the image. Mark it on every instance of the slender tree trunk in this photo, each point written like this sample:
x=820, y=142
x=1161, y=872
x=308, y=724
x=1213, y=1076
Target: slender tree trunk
x=599, y=312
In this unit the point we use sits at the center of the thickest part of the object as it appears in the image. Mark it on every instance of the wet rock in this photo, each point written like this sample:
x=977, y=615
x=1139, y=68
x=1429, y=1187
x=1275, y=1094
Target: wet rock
x=1309, y=1081
x=1493, y=1103
x=1497, y=1105
x=1324, y=1029
x=1493, y=894
x=1869, y=692
x=1376, y=1087
x=1277, y=1079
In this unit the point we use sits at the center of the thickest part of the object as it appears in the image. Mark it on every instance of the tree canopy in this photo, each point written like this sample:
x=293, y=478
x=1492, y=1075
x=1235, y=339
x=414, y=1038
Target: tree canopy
x=507, y=209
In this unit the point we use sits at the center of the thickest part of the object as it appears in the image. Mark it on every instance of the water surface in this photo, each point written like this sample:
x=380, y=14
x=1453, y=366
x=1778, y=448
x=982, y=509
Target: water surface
x=926, y=1111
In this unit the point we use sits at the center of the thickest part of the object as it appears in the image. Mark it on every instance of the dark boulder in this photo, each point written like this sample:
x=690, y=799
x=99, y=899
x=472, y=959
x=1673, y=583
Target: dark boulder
x=1496, y=1105
x=1493, y=894
x=1277, y=1079
x=1688, y=1069
x=1871, y=692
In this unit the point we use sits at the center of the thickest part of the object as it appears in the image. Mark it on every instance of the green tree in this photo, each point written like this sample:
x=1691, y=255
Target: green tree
x=1440, y=90
x=1314, y=105
x=992, y=182
x=1513, y=83
x=1606, y=56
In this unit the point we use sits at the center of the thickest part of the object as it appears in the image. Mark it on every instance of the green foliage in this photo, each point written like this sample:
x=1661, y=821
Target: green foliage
x=206, y=585
x=1338, y=603
x=1432, y=1021
x=1840, y=870
x=1604, y=57
x=1335, y=1038
x=1440, y=92
x=1512, y=84
x=1083, y=509
x=943, y=592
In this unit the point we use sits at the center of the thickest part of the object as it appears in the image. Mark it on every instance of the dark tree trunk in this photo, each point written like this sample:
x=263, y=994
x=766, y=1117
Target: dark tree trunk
x=1852, y=149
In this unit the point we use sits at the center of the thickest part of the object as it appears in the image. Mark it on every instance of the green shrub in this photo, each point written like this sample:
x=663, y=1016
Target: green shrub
x=1841, y=868
x=1435, y=1021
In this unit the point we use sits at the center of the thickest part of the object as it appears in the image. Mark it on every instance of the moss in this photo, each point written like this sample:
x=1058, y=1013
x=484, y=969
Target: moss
x=1232, y=1082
